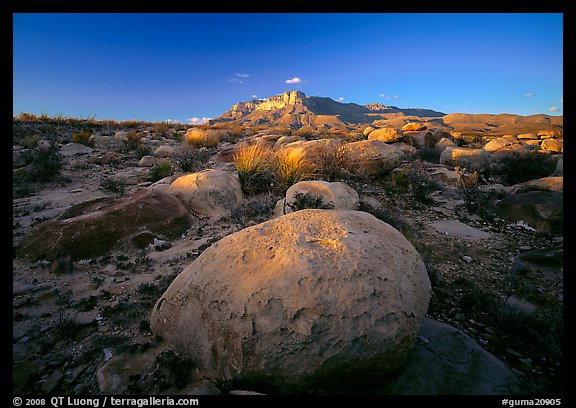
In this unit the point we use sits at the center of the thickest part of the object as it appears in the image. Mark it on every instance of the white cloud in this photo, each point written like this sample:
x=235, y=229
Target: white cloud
x=238, y=74
x=396, y=96
x=341, y=98
x=254, y=96
x=382, y=95
x=528, y=94
x=294, y=80
x=198, y=121
x=554, y=109
x=237, y=80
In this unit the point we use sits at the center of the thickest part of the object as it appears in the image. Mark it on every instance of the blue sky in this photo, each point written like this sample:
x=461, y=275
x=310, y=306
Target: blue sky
x=189, y=66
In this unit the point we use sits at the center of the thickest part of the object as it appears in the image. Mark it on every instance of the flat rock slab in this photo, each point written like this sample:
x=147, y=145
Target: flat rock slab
x=459, y=229
x=446, y=361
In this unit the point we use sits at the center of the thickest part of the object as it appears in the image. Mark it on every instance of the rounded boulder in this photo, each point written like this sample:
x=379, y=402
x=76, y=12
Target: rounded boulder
x=308, y=297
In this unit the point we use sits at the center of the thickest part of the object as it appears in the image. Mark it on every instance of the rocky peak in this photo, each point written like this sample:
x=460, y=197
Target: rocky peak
x=376, y=106
x=282, y=100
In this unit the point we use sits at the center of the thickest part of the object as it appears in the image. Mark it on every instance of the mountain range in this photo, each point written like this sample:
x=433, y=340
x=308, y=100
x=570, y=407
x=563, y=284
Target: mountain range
x=295, y=110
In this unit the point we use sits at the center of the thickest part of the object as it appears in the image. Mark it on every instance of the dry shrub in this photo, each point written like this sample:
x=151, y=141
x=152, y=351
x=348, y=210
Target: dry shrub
x=84, y=137
x=199, y=137
x=290, y=168
x=254, y=165
x=328, y=159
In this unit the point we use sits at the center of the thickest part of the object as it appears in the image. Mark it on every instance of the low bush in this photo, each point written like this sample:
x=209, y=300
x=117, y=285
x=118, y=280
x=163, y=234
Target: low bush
x=303, y=201
x=199, y=137
x=84, y=137
x=161, y=170
x=190, y=158
x=288, y=169
x=45, y=163
x=254, y=165
x=520, y=167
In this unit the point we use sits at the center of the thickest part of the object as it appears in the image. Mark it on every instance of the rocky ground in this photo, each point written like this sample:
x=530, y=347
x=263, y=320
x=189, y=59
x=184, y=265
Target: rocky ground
x=76, y=322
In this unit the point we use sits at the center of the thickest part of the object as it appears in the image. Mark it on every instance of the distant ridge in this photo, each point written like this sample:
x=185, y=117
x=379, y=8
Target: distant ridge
x=295, y=110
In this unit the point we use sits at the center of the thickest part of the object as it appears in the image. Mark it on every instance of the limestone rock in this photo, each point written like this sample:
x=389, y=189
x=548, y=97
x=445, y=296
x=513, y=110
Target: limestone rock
x=446, y=361
x=93, y=228
x=552, y=145
x=208, y=193
x=527, y=136
x=541, y=210
x=541, y=184
x=414, y=126
x=147, y=161
x=372, y=157
x=387, y=135
x=72, y=149
x=471, y=159
x=303, y=297
x=115, y=376
x=164, y=151
x=498, y=143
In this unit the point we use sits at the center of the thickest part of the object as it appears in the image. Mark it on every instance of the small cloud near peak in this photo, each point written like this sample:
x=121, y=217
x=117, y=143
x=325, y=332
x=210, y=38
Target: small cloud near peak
x=341, y=98
x=528, y=94
x=294, y=80
x=554, y=109
x=198, y=121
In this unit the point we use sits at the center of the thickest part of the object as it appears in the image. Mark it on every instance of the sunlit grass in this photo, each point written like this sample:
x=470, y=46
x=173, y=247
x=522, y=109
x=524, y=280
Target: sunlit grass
x=204, y=137
x=254, y=165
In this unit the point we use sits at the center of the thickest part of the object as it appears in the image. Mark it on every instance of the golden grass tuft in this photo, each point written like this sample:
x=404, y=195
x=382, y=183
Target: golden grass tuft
x=289, y=168
x=199, y=137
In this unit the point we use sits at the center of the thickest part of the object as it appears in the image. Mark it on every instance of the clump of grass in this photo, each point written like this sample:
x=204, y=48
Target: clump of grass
x=199, y=137
x=132, y=140
x=257, y=209
x=84, y=137
x=289, y=169
x=112, y=185
x=303, y=201
x=45, y=163
x=329, y=160
x=161, y=170
x=254, y=165
x=191, y=158
x=475, y=200
x=30, y=142
x=421, y=185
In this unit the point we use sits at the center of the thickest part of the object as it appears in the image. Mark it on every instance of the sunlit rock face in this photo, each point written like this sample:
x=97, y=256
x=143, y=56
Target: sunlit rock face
x=303, y=298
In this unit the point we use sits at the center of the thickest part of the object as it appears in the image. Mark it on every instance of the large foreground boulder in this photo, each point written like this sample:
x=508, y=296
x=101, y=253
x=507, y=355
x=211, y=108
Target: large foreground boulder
x=304, y=298
x=93, y=228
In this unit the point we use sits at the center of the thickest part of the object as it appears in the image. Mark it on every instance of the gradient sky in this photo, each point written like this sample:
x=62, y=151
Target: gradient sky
x=185, y=67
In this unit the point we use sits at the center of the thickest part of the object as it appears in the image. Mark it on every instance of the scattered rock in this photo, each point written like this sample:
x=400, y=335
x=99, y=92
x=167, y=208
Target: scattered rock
x=209, y=193
x=386, y=135
x=459, y=229
x=372, y=157
x=91, y=229
x=451, y=363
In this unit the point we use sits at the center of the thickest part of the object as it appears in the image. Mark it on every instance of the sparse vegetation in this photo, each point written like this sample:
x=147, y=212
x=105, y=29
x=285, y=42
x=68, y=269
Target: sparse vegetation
x=113, y=185
x=428, y=154
x=254, y=165
x=303, y=201
x=289, y=169
x=521, y=167
x=329, y=160
x=191, y=158
x=255, y=209
x=45, y=163
x=84, y=137
x=421, y=185
x=199, y=137
x=161, y=170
